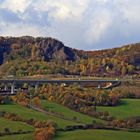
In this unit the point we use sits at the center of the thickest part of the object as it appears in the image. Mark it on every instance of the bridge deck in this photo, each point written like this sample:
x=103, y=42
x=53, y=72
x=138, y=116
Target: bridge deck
x=54, y=81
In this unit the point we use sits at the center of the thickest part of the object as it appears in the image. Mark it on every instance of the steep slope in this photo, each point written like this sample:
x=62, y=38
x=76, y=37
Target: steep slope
x=35, y=56
x=34, y=48
x=118, y=61
x=129, y=53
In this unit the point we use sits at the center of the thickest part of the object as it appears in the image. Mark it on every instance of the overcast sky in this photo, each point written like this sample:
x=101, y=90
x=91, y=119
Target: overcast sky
x=81, y=24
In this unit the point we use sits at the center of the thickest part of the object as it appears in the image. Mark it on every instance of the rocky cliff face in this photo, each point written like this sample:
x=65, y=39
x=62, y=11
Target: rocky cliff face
x=25, y=47
x=27, y=56
x=4, y=47
x=47, y=49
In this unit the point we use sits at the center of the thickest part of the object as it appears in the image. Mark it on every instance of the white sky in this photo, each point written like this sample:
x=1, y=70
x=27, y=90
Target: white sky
x=82, y=24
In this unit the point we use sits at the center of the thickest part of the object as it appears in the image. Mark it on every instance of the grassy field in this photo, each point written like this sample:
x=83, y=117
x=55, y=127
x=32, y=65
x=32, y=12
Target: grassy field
x=68, y=113
x=14, y=125
x=127, y=108
x=83, y=135
x=18, y=137
x=29, y=113
x=97, y=135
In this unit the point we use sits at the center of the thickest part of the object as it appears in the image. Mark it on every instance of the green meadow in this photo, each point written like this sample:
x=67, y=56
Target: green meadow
x=127, y=108
x=97, y=135
x=68, y=113
x=32, y=114
x=14, y=125
x=18, y=137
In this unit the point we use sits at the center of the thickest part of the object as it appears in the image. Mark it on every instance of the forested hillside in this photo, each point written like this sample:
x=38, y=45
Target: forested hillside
x=28, y=56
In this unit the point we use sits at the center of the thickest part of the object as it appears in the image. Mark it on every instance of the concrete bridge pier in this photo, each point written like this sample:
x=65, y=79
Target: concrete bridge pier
x=99, y=86
x=5, y=87
x=36, y=87
x=12, y=88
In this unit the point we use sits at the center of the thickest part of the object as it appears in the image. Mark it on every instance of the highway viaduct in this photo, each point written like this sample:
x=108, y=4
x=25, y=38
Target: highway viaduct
x=37, y=82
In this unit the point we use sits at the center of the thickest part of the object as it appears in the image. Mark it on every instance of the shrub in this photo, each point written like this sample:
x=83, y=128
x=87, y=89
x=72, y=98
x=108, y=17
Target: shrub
x=45, y=133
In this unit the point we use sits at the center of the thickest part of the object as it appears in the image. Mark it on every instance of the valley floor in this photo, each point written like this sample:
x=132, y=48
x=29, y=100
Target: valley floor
x=83, y=135
x=97, y=135
x=128, y=108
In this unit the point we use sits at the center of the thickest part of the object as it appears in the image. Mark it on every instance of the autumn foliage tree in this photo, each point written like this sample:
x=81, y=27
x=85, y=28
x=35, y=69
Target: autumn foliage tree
x=36, y=101
x=21, y=98
x=45, y=133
